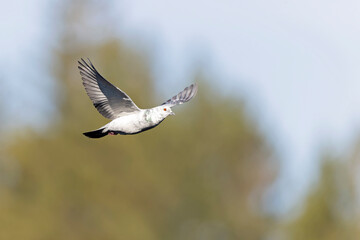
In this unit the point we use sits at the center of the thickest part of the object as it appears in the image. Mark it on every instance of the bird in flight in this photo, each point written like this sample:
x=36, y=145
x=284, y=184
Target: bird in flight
x=114, y=104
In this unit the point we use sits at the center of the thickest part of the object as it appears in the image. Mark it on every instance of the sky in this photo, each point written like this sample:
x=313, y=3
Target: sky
x=295, y=63
x=24, y=72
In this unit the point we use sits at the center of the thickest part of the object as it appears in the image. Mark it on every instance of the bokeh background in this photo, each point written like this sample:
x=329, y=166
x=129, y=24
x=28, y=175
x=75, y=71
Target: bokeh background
x=268, y=149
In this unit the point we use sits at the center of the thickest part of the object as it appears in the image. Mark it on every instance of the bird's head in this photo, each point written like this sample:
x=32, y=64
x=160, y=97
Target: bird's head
x=165, y=111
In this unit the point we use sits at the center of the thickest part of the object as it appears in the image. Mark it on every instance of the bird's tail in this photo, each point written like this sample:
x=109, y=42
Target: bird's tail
x=99, y=133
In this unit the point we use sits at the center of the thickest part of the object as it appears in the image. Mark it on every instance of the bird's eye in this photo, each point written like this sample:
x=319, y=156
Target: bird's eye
x=165, y=109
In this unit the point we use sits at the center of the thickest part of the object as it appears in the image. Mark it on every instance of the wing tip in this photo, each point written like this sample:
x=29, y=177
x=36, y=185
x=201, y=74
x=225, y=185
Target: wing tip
x=184, y=96
x=195, y=89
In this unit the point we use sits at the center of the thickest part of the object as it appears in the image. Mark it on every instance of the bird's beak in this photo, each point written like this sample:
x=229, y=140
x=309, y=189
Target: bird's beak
x=172, y=113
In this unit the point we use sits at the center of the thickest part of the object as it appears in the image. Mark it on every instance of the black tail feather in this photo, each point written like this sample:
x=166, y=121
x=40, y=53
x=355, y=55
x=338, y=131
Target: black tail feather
x=96, y=134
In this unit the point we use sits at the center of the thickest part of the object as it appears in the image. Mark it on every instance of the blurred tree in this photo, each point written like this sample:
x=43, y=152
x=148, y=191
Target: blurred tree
x=329, y=210
x=200, y=175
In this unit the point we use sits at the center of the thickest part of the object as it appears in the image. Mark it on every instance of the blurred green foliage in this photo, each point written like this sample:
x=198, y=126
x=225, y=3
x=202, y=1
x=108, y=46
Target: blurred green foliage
x=331, y=209
x=199, y=175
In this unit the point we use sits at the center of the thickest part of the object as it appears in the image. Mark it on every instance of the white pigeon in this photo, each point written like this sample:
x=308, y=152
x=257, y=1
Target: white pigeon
x=116, y=105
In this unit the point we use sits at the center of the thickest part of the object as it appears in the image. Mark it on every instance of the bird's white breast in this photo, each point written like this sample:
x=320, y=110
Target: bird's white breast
x=134, y=123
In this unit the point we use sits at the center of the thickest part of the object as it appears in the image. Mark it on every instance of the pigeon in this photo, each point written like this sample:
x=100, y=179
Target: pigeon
x=114, y=104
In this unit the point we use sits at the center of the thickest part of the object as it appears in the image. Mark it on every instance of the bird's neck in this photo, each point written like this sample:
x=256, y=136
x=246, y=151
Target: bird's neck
x=153, y=116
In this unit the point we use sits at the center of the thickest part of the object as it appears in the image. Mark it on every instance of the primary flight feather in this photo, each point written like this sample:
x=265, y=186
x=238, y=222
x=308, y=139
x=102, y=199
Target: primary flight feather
x=113, y=103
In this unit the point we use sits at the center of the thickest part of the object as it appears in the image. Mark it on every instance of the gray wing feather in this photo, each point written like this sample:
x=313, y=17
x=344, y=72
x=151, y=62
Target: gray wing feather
x=109, y=100
x=184, y=96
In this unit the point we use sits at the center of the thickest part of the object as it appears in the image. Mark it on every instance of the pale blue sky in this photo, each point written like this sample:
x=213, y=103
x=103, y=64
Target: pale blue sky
x=296, y=62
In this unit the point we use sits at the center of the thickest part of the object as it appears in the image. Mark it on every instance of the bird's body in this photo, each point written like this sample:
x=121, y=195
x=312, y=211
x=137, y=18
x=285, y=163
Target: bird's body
x=114, y=104
x=136, y=122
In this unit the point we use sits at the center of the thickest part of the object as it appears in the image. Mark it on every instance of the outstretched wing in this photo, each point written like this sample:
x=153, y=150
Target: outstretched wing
x=186, y=95
x=109, y=100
